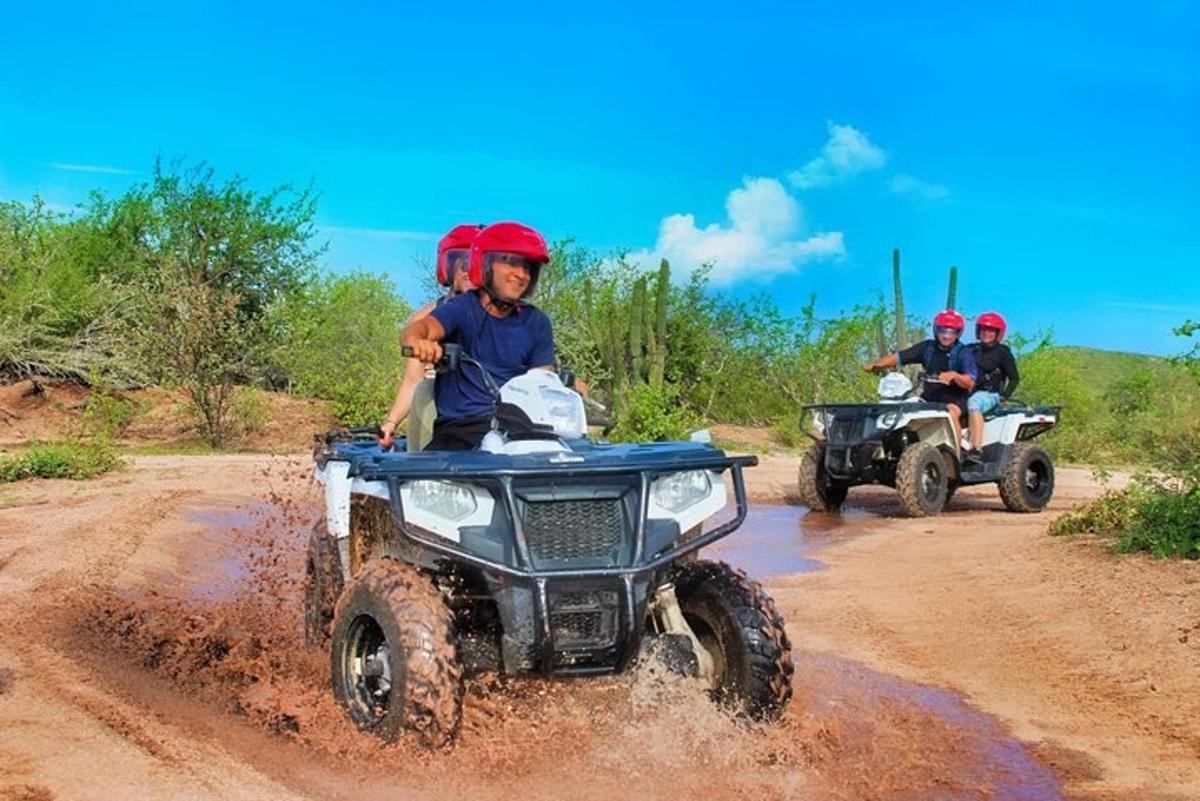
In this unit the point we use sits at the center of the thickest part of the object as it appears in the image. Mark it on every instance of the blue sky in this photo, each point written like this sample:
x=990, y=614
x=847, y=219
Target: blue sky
x=1052, y=152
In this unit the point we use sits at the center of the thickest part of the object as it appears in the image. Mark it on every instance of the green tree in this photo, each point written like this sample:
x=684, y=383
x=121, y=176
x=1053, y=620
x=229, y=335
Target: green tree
x=341, y=342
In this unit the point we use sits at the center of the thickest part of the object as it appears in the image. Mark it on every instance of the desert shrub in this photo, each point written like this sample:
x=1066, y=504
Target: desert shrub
x=653, y=414
x=1107, y=515
x=107, y=413
x=341, y=342
x=1157, y=514
x=72, y=459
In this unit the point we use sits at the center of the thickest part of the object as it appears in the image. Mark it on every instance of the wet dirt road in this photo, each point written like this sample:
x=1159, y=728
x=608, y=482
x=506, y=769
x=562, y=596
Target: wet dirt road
x=150, y=648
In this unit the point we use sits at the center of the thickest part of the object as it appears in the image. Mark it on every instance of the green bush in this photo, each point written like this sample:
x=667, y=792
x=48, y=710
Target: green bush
x=106, y=414
x=654, y=414
x=1159, y=514
x=76, y=460
x=341, y=342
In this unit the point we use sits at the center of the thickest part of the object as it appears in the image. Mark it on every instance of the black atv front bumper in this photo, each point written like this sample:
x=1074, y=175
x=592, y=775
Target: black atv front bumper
x=564, y=615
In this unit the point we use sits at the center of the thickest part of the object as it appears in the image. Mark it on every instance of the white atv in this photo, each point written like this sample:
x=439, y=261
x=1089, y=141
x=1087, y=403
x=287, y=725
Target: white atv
x=906, y=443
x=542, y=551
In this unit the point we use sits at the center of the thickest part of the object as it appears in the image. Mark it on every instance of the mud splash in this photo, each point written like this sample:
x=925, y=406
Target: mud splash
x=230, y=639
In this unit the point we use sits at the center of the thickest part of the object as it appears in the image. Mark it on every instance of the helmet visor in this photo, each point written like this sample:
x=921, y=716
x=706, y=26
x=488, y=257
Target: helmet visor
x=945, y=329
x=456, y=259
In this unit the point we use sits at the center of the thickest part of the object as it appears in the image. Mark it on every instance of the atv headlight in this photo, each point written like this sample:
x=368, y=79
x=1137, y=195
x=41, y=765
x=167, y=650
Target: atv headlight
x=887, y=420
x=678, y=491
x=443, y=498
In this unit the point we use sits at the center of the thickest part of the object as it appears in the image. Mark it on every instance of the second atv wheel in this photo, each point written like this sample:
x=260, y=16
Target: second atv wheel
x=394, y=655
x=322, y=585
x=1028, y=480
x=817, y=490
x=738, y=625
x=921, y=480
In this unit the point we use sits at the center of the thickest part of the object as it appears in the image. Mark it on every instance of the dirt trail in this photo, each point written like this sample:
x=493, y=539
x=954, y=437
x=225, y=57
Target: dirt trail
x=147, y=651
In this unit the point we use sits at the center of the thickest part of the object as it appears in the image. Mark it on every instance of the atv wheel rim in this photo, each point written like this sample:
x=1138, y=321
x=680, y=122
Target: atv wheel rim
x=368, y=673
x=1036, y=482
x=931, y=480
x=711, y=643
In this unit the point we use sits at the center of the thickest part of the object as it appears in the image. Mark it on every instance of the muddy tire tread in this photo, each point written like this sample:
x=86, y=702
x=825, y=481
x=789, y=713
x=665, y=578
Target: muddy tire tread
x=323, y=584
x=769, y=667
x=432, y=685
x=808, y=486
x=908, y=478
x=1012, y=483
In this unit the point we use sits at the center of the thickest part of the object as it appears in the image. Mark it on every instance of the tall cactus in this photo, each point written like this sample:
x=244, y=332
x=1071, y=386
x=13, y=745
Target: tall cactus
x=658, y=343
x=637, y=319
x=901, y=320
x=952, y=293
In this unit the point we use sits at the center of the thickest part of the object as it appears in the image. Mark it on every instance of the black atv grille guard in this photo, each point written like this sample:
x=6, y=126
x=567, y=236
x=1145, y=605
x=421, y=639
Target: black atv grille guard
x=629, y=628
x=645, y=477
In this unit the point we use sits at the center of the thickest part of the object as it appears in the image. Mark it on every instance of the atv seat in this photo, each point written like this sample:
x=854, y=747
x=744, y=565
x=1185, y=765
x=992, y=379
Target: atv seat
x=421, y=416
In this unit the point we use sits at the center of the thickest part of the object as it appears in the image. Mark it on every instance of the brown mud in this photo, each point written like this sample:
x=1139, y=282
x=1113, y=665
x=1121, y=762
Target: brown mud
x=151, y=635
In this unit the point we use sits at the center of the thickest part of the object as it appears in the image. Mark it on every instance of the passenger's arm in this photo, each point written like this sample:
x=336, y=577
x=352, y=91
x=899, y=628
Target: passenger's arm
x=414, y=373
x=1012, y=376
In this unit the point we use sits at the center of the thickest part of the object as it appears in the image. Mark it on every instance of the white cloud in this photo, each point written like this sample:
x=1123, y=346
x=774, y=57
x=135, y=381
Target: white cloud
x=384, y=234
x=100, y=168
x=914, y=187
x=759, y=240
x=847, y=153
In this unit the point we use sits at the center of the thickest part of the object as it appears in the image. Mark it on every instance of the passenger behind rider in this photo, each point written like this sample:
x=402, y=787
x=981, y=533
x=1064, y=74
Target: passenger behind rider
x=453, y=255
x=492, y=323
x=998, y=376
x=949, y=365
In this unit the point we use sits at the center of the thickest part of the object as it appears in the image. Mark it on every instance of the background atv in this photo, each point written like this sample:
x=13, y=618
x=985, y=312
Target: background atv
x=543, y=551
x=908, y=444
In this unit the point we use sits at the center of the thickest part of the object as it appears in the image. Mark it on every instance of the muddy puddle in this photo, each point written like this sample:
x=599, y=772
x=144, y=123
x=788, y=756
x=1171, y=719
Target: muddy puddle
x=779, y=540
x=226, y=641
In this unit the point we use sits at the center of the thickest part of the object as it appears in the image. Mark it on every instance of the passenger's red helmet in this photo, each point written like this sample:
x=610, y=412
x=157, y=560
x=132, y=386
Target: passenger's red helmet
x=507, y=238
x=949, y=319
x=991, y=320
x=454, y=245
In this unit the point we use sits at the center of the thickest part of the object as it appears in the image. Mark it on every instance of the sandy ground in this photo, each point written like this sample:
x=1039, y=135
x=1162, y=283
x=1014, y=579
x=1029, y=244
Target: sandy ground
x=135, y=662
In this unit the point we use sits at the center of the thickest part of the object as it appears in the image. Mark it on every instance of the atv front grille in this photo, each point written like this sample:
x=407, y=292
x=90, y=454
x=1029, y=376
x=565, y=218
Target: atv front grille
x=574, y=531
x=845, y=431
x=584, y=619
x=577, y=628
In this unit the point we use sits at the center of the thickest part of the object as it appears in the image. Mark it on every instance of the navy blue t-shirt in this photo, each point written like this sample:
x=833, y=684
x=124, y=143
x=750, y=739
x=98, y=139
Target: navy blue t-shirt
x=508, y=346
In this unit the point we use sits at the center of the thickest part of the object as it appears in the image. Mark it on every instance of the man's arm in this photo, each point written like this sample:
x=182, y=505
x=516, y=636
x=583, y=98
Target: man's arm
x=966, y=378
x=887, y=360
x=423, y=337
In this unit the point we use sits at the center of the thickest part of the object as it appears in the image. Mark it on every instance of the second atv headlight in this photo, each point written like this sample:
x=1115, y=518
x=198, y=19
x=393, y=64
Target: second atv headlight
x=678, y=491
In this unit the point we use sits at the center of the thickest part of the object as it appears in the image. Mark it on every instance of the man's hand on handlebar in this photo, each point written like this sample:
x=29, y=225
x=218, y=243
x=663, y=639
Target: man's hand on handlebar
x=426, y=351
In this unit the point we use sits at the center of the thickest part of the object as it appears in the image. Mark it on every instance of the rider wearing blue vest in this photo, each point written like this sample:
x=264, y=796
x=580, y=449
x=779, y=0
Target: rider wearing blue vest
x=949, y=365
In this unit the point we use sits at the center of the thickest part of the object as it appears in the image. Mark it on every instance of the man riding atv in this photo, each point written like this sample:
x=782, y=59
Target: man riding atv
x=949, y=365
x=494, y=324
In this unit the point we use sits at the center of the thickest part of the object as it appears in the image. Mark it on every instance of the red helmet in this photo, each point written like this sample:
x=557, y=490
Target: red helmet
x=949, y=319
x=991, y=320
x=459, y=238
x=512, y=238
